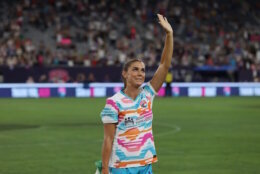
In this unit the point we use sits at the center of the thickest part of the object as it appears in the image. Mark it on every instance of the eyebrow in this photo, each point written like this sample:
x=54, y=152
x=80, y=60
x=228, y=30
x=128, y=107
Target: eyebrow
x=135, y=67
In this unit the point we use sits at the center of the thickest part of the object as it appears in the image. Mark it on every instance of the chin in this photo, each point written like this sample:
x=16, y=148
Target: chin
x=139, y=84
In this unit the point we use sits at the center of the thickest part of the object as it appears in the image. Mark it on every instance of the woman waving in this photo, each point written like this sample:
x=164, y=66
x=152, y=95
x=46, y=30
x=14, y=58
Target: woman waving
x=128, y=145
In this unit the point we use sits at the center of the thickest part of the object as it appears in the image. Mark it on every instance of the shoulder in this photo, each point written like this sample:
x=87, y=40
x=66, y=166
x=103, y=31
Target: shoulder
x=149, y=89
x=114, y=100
x=116, y=97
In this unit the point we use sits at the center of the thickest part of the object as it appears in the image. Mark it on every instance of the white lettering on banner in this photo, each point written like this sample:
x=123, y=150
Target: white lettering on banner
x=257, y=91
x=25, y=92
x=19, y=92
x=246, y=92
x=210, y=92
x=33, y=92
x=99, y=92
x=195, y=92
x=82, y=92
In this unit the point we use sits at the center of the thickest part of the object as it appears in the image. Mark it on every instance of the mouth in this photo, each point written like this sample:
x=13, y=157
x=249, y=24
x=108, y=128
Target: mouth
x=139, y=79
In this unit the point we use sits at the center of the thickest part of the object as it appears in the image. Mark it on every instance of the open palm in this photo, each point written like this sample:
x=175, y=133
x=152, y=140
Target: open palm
x=164, y=23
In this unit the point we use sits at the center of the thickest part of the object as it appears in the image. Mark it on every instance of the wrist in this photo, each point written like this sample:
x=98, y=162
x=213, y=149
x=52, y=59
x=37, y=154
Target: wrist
x=104, y=167
x=170, y=33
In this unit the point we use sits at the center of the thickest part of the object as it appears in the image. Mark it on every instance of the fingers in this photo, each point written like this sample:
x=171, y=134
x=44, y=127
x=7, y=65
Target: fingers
x=164, y=23
x=159, y=15
x=161, y=18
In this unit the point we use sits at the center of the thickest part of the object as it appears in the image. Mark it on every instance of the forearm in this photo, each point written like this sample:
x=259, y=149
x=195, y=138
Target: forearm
x=167, y=50
x=165, y=63
x=106, y=151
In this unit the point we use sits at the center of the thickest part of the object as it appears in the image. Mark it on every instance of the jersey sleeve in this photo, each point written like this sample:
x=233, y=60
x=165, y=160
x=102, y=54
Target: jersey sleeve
x=149, y=90
x=110, y=112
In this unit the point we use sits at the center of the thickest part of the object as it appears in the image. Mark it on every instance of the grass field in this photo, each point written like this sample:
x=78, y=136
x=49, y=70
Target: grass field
x=192, y=135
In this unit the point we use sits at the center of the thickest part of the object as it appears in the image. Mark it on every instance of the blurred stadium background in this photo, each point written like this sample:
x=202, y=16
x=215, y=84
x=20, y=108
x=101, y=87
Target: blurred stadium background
x=69, y=53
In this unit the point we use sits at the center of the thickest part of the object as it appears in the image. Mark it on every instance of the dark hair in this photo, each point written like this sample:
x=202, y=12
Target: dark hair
x=126, y=66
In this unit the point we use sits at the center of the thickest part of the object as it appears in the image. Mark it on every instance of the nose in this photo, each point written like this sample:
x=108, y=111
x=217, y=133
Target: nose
x=140, y=73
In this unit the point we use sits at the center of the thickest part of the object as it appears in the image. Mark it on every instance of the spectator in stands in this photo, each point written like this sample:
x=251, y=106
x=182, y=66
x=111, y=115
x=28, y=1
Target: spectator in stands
x=30, y=80
x=91, y=78
x=202, y=28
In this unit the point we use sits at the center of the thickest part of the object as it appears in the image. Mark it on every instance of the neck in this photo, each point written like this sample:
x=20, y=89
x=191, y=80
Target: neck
x=132, y=91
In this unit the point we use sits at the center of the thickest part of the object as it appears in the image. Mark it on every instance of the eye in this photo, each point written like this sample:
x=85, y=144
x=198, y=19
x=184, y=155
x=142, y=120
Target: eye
x=143, y=70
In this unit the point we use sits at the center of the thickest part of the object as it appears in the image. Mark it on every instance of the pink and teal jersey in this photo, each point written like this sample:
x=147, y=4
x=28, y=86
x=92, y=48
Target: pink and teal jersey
x=133, y=144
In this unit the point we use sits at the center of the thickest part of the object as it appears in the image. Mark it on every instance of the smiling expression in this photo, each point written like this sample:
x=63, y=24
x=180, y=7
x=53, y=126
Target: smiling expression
x=135, y=74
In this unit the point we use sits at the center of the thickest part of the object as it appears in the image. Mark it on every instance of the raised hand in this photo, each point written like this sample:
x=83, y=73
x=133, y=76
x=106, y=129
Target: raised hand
x=164, y=23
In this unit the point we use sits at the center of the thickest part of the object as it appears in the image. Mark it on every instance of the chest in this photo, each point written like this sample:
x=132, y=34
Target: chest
x=135, y=114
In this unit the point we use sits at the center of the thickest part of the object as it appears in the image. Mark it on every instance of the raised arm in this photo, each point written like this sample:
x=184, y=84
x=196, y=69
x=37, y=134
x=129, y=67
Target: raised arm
x=165, y=63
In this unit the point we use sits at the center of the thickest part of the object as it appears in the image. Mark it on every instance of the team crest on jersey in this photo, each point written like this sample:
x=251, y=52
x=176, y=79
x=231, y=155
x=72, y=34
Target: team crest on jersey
x=143, y=103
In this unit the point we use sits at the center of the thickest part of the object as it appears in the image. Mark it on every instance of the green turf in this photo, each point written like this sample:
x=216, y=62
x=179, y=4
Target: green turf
x=192, y=135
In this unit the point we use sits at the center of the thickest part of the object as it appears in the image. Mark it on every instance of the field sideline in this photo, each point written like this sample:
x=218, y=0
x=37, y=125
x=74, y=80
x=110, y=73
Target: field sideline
x=192, y=135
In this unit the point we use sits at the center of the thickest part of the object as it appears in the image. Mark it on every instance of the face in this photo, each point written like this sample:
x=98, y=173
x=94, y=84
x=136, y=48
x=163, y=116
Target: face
x=135, y=74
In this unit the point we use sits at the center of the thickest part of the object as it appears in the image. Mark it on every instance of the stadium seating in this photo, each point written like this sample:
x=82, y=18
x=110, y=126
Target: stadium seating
x=211, y=43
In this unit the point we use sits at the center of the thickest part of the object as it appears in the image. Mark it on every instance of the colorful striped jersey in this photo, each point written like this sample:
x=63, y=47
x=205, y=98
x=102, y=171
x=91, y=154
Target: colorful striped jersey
x=133, y=144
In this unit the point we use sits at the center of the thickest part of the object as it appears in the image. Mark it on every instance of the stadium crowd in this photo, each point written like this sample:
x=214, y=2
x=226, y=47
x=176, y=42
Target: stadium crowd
x=106, y=32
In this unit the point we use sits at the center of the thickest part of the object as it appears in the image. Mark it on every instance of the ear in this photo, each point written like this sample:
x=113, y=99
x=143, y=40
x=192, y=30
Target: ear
x=124, y=74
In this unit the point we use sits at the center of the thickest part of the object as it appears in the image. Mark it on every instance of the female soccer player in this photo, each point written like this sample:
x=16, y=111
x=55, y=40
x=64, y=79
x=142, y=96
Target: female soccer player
x=128, y=146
